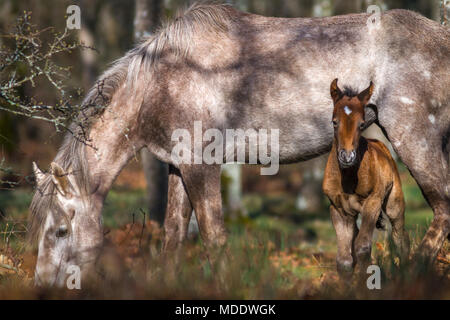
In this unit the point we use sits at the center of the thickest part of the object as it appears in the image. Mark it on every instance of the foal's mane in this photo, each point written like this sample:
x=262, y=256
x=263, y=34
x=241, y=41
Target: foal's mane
x=349, y=92
x=175, y=35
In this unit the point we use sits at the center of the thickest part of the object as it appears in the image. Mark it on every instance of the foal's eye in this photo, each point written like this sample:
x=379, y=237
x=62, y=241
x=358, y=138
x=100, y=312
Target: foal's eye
x=335, y=123
x=361, y=126
x=61, y=232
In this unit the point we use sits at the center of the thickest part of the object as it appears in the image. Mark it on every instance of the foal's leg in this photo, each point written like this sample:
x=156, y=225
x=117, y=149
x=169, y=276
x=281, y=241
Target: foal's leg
x=346, y=231
x=178, y=212
x=395, y=210
x=363, y=243
x=203, y=187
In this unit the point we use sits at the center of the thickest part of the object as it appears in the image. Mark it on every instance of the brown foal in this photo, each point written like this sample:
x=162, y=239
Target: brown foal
x=360, y=178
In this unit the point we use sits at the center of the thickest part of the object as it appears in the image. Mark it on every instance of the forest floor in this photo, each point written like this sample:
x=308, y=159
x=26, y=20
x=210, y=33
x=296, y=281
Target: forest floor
x=274, y=252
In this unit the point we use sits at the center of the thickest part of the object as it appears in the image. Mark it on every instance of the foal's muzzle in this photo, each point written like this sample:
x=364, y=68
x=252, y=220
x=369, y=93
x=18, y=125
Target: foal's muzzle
x=346, y=158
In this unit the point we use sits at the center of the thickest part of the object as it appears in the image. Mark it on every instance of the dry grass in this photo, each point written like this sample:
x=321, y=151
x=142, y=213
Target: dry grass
x=263, y=260
x=277, y=252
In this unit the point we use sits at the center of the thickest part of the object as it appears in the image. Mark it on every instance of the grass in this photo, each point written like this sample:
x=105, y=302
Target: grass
x=274, y=252
x=120, y=205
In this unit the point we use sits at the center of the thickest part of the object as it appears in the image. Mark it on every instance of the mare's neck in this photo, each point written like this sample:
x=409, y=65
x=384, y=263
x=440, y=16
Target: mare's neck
x=115, y=139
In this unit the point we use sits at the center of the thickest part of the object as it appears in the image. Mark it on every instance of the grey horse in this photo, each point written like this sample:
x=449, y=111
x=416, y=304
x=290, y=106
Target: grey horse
x=230, y=70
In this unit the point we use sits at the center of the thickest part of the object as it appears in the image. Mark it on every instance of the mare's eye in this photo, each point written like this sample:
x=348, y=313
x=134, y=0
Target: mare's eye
x=61, y=232
x=335, y=123
x=361, y=126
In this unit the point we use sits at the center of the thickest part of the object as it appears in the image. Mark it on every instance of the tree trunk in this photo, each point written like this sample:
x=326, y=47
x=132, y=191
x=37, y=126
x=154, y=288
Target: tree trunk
x=347, y=6
x=233, y=187
x=441, y=11
x=147, y=16
x=87, y=37
x=310, y=198
x=156, y=175
x=310, y=194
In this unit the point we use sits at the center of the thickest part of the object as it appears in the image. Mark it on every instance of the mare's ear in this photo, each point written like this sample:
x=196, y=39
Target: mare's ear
x=60, y=179
x=365, y=95
x=38, y=174
x=335, y=92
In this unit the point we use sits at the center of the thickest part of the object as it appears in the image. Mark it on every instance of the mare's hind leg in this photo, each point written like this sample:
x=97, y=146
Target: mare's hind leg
x=346, y=231
x=203, y=187
x=421, y=144
x=395, y=210
x=178, y=212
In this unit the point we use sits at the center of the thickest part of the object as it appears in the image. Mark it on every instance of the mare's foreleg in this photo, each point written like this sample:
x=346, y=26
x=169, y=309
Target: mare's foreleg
x=202, y=184
x=178, y=212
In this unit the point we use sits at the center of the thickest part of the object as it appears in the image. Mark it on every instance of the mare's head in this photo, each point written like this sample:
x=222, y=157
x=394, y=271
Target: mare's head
x=348, y=121
x=65, y=224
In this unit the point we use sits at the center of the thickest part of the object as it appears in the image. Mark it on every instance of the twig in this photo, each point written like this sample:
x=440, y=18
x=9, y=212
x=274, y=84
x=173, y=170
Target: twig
x=143, y=227
x=129, y=230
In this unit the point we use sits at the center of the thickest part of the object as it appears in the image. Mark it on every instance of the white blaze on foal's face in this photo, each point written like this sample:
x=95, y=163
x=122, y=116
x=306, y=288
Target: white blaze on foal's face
x=347, y=110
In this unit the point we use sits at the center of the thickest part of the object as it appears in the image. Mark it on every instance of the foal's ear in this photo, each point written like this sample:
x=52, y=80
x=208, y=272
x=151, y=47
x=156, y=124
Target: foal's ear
x=335, y=92
x=365, y=95
x=38, y=174
x=60, y=179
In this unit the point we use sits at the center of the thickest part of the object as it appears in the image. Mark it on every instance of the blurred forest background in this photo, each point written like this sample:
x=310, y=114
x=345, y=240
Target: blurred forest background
x=288, y=211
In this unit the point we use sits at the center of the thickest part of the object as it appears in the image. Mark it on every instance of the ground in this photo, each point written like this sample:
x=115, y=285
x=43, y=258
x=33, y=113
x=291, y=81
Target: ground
x=274, y=251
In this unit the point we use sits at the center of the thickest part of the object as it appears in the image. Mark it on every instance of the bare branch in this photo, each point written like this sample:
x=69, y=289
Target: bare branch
x=24, y=60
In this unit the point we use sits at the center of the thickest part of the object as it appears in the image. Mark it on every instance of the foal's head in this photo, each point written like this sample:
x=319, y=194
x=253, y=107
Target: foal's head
x=348, y=121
